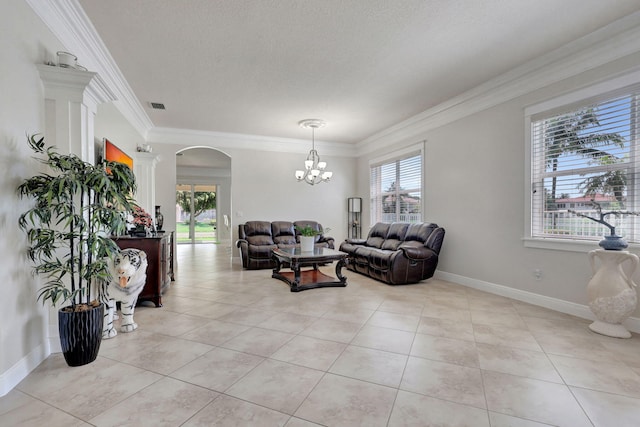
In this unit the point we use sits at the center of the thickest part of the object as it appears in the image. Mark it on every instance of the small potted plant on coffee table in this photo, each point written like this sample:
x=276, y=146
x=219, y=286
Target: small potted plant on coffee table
x=308, y=237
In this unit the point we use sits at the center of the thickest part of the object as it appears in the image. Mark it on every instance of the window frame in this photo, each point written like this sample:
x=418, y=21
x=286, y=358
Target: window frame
x=570, y=101
x=399, y=155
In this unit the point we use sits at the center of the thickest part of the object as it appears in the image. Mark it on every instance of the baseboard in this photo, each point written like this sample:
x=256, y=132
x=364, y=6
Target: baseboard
x=54, y=338
x=578, y=310
x=19, y=371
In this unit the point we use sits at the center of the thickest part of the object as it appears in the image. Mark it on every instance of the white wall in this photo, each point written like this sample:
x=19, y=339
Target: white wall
x=475, y=188
x=265, y=188
x=24, y=42
x=111, y=124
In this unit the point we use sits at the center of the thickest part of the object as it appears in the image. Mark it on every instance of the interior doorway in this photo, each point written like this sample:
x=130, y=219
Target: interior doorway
x=204, y=172
x=196, y=213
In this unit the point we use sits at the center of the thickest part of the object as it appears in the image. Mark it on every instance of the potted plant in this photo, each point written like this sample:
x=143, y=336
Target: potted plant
x=308, y=237
x=77, y=207
x=611, y=241
x=142, y=222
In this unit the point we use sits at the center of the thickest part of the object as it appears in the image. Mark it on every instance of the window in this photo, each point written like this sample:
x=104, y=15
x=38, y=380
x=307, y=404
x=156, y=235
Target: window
x=585, y=156
x=396, y=189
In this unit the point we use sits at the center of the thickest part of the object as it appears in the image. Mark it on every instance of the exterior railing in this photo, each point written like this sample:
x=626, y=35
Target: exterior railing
x=564, y=223
x=403, y=217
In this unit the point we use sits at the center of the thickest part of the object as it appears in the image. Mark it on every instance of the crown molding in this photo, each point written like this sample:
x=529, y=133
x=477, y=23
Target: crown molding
x=614, y=41
x=222, y=140
x=68, y=22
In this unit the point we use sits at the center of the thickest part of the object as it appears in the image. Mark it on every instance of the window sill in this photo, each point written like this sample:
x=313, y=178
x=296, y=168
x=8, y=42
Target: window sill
x=583, y=246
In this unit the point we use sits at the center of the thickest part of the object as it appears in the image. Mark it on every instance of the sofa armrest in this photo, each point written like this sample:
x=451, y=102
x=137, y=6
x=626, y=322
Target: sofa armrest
x=434, y=242
x=356, y=241
x=417, y=253
x=243, y=248
x=330, y=241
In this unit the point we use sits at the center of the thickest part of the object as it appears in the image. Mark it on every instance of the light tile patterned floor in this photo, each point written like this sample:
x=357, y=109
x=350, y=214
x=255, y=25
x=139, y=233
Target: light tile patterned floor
x=236, y=348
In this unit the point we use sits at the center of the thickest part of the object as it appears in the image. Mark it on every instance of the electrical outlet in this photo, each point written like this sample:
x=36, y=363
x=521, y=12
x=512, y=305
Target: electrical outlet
x=537, y=273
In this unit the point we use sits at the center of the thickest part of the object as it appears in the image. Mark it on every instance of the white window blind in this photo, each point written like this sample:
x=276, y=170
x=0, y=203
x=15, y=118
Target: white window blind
x=583, y=158
x=396, y=190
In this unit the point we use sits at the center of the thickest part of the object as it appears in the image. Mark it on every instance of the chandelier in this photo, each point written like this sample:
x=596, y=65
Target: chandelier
x=314, y=170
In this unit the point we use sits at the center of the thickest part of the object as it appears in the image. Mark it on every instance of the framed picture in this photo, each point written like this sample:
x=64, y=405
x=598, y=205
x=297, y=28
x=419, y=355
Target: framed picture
x=114, y=154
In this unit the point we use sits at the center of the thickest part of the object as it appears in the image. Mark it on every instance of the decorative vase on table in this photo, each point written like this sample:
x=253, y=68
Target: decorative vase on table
x=611, y=292
x=307, y=243
x=159, y=219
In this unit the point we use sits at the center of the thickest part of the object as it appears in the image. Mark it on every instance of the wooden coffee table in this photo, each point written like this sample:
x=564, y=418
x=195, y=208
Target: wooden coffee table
x=300, y=280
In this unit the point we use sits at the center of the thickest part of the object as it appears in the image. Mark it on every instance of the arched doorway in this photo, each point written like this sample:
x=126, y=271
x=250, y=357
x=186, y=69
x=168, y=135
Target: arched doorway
x=203, y=196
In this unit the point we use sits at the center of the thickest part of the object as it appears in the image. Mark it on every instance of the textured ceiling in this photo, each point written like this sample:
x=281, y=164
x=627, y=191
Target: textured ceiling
x=258, y=67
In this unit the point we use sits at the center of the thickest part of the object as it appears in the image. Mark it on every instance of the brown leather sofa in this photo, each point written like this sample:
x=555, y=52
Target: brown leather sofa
x=396, y=253
x=256, y=239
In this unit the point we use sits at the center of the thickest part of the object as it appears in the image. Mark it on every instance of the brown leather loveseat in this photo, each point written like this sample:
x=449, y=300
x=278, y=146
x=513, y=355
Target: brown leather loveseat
x=396, y=253
x=256, y=239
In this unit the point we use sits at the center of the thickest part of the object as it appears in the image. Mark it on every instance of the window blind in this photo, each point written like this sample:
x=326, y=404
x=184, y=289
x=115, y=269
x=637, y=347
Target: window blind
x=585, y=162
x=396, y=190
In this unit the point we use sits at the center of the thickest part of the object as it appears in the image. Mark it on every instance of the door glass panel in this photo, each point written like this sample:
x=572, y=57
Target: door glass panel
x=196, y=216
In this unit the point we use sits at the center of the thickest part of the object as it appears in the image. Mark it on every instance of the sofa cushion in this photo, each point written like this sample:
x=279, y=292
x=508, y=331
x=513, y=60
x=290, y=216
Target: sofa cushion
x=260, y=241
x=395, y=236
x=261, y=251
x=283, y=233
x=258, y=233
x=377, y=235
x=419, y=232
x=380, y=259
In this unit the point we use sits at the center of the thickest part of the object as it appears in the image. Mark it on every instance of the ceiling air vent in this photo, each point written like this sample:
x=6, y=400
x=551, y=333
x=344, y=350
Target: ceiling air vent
x=157, y=105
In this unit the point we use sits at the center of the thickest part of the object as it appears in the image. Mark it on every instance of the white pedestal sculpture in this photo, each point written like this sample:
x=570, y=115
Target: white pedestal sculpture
x=611, y=293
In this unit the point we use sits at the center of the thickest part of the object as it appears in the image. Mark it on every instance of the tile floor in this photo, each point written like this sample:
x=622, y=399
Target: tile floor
x=236, y=348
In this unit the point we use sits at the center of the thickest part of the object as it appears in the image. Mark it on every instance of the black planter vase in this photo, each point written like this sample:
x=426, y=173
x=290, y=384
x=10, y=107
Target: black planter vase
x=80, y=334
x=159, y=219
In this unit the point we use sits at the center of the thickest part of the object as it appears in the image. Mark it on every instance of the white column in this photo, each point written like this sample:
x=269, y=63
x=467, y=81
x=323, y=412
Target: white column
x=71, y=101
x=144, y=167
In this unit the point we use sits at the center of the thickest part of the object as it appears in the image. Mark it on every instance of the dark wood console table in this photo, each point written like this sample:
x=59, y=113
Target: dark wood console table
x=159, y=250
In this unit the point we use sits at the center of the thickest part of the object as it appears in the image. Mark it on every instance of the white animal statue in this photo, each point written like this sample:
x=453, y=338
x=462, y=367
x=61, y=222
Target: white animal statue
x=128, y=275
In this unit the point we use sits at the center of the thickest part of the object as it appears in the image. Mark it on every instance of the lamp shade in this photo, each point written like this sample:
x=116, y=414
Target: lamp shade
x=354, y=204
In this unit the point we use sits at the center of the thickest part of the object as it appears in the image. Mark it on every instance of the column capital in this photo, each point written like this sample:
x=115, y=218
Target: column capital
x=70, y=84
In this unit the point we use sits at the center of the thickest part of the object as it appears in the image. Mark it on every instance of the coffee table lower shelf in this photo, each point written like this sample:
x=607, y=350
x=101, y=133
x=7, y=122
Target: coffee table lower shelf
x=301, y=280
x=309, y=279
